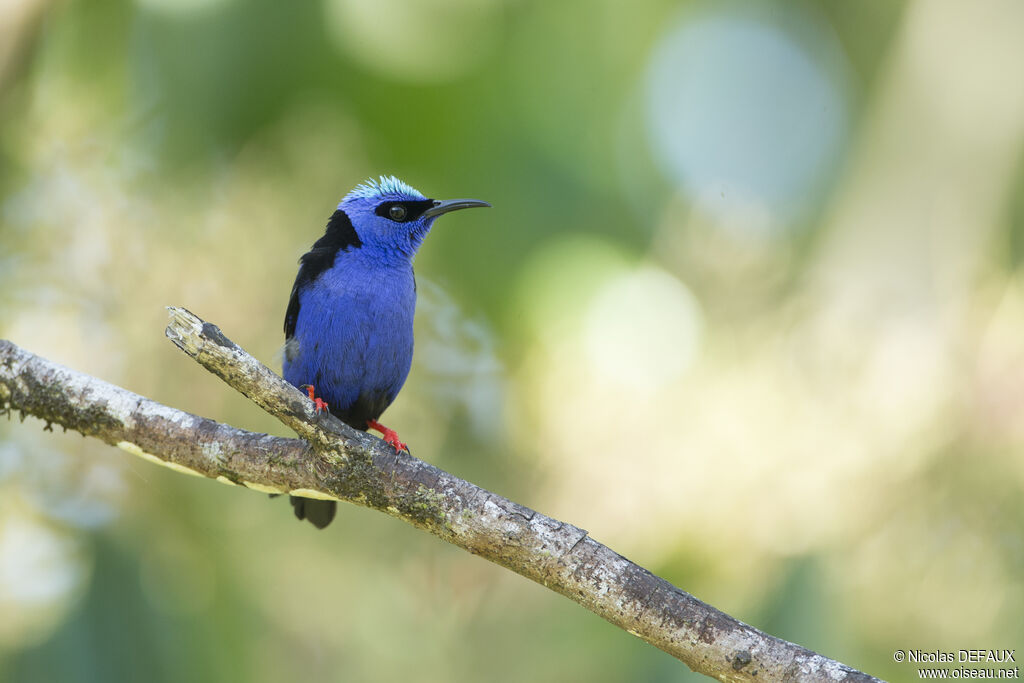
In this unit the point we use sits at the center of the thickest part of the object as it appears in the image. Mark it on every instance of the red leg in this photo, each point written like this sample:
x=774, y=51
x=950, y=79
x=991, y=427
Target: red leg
x=390, y=436
x=319, y=404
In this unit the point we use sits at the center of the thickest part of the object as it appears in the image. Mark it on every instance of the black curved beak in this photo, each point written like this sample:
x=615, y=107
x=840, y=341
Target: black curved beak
x=444, y=206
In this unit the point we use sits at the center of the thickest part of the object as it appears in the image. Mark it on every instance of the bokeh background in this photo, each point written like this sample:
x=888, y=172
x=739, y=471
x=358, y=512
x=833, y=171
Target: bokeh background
x=749, y=307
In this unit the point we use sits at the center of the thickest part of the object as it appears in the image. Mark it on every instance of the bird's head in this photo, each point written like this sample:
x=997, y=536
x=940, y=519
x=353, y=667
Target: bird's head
x=389, y=215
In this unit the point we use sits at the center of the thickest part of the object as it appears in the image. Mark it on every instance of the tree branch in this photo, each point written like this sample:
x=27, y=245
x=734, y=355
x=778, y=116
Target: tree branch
x=333, y=461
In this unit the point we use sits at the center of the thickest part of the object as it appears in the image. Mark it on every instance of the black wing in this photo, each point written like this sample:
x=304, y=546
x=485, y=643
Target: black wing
x=340, y=235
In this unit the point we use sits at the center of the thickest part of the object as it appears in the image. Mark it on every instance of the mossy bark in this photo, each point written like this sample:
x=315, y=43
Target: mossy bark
x=332, y=460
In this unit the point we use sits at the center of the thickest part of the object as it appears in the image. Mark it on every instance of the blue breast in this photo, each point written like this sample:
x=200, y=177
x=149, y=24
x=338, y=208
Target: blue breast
x=353, y=335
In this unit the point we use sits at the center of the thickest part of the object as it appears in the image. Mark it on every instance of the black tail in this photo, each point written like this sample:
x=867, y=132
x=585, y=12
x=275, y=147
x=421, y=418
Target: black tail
x=321, y=512
x=318, y=512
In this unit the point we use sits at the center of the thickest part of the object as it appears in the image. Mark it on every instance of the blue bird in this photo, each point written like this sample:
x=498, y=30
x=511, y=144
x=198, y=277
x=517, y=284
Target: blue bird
x=348, y=327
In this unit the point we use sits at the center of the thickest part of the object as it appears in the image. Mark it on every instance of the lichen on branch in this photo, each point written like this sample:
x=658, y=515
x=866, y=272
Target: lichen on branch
x=333, y=461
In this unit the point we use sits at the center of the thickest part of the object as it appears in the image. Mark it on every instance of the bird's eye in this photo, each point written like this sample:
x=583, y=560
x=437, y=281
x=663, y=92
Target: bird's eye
x=397, y=212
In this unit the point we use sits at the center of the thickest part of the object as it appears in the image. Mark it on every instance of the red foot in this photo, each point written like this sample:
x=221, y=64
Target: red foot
x=319, y=404
x=390, y=436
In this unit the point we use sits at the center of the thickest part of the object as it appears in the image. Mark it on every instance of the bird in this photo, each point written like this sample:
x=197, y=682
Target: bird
x=349, y=322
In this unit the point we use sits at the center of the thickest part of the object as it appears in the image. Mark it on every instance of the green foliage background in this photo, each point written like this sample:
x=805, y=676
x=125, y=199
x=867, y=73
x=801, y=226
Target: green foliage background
x=810, y=417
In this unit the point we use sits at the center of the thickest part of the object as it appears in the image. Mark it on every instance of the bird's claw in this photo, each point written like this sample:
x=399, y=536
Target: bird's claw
x=390, y=436
x=319, y=405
